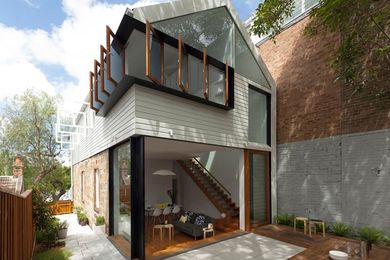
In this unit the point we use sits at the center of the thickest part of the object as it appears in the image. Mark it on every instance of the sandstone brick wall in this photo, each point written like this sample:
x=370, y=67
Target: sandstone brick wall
x=333, y=153
x=310, y=103
x=87, y=199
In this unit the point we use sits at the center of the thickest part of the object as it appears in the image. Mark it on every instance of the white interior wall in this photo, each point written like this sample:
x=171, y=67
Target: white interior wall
x=156, y=186
x=191, y=197
x=225, y=166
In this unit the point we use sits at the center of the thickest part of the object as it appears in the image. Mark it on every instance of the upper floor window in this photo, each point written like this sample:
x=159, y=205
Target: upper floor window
x=154, y=55
x=259, y=116
x=196, y=73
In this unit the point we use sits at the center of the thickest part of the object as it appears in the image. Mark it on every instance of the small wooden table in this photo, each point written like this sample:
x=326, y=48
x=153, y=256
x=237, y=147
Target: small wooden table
x=171, y=230
x=208, y=230
x=305, y=223
x=161, y=230
x=313, y=223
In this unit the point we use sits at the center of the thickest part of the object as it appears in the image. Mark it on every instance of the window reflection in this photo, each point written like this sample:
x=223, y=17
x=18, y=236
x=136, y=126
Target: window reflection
x=183, y=65
x=216, y=85
x=122, y=198
x=196, y=76
x=258, y=117
x=215, y=30
x=245, y=63
x=210, y=29
x=170, y=66
x=155, y=56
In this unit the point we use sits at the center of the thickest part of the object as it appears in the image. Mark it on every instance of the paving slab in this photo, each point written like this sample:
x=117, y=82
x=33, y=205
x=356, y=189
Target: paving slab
x=85, y=244
x=249, y=246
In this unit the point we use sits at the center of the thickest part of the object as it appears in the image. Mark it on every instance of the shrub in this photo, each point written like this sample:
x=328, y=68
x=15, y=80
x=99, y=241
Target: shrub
x=81, y=216
x=78, y=210
x=100, y=221
x=341, y=229
x=63, y=225
x=286, y=219
x=386, y=240
x=124, y=210
x=48, y=235
x=42, y=213
x=371, y=234
x=46, y=225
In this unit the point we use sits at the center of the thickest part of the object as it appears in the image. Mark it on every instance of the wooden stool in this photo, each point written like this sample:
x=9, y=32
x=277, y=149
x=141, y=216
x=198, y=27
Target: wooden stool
x=171, y=231
x=305, y=223
x=161, y=230
x=314, y=222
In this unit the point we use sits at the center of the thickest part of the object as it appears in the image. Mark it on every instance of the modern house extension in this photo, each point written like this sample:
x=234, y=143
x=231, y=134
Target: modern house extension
x=183, y=105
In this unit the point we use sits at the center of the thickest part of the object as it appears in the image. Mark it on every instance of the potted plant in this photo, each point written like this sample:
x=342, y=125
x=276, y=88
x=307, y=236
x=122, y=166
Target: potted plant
x=371, y=236
x=82, y=217
x=99, y=226
x=63, y=229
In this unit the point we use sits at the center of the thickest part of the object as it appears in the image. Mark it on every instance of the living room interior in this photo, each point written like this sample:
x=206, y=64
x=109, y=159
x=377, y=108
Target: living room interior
x=191, y=193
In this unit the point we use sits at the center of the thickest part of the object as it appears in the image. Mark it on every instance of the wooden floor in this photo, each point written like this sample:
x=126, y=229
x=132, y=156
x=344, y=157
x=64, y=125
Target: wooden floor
x=121, y=244
x=160, y=249
x=318, y=247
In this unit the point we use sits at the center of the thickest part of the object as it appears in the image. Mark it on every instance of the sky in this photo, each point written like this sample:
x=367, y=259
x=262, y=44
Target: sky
x=50, y=44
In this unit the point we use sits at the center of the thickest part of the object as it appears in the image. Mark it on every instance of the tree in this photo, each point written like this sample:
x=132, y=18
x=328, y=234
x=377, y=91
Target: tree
x=362, y=60
x=29, y=131
x=57, y=183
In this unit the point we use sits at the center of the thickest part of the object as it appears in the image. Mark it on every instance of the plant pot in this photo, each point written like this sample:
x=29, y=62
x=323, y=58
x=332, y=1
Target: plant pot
x=62, y=233
x=99, y=230
x=83, y=222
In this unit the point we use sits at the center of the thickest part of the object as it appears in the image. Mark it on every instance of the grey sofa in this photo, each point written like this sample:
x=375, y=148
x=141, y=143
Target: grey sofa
x=191, y=228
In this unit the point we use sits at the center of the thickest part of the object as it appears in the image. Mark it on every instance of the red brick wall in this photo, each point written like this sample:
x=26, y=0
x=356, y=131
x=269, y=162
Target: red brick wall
x=310, y=104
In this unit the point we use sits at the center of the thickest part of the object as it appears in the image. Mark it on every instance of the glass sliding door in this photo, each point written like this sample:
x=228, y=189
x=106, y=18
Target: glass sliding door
x=257, y=188
x=121, y=191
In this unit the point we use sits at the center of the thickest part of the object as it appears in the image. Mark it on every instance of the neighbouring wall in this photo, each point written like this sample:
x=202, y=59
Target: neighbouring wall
x=343, y=178
x=333, y=143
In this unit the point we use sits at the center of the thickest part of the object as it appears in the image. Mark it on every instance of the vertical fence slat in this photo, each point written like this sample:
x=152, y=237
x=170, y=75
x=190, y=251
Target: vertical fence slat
x=17, y=233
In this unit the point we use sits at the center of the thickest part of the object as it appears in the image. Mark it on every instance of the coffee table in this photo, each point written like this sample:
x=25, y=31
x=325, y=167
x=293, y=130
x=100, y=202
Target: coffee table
x=171, y=230
x=160, y=227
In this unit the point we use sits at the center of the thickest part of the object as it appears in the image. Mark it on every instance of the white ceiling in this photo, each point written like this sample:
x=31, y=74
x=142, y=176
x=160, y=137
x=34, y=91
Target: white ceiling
x=158, y=148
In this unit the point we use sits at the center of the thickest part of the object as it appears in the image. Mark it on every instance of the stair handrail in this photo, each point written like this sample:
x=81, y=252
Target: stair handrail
x=212, y=176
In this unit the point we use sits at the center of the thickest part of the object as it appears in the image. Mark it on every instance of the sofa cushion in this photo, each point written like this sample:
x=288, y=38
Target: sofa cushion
x=200, y=220
x=190, y=216
x=183, y=219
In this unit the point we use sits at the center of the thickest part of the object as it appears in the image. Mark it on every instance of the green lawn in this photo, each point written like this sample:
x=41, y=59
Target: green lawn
x=53, y=254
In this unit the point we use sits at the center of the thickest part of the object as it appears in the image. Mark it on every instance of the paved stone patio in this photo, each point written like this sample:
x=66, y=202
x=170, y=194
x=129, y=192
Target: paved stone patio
x=250, y=246
x=85, y=244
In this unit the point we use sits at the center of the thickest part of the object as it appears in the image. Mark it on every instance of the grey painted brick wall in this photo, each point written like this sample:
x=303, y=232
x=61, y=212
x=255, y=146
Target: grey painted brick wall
x=342, y=178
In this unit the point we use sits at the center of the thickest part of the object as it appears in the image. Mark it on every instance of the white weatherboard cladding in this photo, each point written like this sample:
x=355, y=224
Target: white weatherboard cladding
x=149, y=112
x=115, y=127
x=158, y=114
